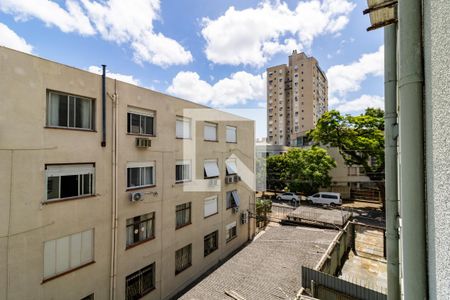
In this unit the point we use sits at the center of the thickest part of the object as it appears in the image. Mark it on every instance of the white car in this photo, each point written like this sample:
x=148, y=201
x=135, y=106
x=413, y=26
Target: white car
x=288, y=197
x=325, y=198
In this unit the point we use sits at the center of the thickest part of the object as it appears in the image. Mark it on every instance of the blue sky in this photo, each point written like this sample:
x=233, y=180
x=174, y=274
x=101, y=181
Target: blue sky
x=211, y=52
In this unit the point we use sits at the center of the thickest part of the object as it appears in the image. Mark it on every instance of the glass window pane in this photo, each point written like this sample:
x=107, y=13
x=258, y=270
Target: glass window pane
x=133, y=177
x=83, y=113
x=148, y=125
x=62, y=254
x=62, y=111
x=69, y=186
x=71, y=111
x=148, y=175
x=53, y=188
x=135, y=123
x=87, y=184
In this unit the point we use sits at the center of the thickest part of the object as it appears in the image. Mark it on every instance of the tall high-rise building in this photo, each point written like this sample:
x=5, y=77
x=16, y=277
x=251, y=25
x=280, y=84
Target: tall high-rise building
x=297, y=95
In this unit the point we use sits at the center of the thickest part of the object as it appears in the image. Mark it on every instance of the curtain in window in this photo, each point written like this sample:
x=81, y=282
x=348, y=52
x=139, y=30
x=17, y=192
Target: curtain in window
x=53, y=110
x=85, y=113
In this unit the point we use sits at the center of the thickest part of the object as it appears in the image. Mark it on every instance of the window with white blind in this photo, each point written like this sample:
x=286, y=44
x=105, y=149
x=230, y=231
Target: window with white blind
x=69, y=181
x=67, y=253
x=231, y=168
x=64, y=110
x=183, y=258
x=141, y=121
x=182, y=215
x=183, y=171
x=140, y=174
x=231, y=134
x=232, y=199
x=183, y=128
x=210, y=132
x=210, y=206
x=211, y=168
x=231, y=231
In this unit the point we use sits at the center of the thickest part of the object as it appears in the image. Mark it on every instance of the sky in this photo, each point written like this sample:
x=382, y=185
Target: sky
x=211, y=52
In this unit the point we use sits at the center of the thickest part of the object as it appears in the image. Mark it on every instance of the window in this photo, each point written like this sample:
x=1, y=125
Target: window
x=231, y=134
x=211, y=169
x=210, y=243
x=210, y=206
x=231, y=231
x=70, y=111
x=141, y=121
x=68, y=253
x=183, y=215
x=140, y=228
x=210, y=132
x=67, y=181
x=183, y=128
x=232, y=199
x=140, y=283
x=183, y=258
x=183, y=171
x=231, y=166
x=140, y=174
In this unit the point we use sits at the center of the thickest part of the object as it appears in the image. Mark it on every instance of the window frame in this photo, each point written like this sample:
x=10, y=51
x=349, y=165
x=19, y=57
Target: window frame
x=63, y=168
x=136, y=225
x=140, y=273
x=141, y=112
x=233, y=228
x=179, y=209
x=92, y=111
x=184, y=120
x=186, y=265
x=183, y=162
x=69, y=269
x=236, y=199
x=235, y=134
x=210, y=124
x=141, y=166
x=205, y=173
x=216, y=198
x=215, y=236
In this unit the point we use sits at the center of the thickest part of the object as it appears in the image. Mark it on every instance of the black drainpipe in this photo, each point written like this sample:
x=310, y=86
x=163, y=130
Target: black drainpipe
x=104, y=106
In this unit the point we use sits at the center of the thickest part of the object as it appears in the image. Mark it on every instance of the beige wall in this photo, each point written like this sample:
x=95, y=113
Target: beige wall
x=26, y=146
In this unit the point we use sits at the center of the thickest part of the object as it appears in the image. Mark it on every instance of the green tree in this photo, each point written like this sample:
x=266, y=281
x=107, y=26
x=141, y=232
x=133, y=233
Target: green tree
x=300, y=170
x=263, y=207
x=360, y=140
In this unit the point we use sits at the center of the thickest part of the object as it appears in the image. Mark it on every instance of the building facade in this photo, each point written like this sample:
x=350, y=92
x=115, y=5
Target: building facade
x=297, y=95
x=138, y=207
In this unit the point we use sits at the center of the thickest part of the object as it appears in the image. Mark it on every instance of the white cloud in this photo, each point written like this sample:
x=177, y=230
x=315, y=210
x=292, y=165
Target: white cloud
x=252, y=36
x=71, y=20
x=343, y=79
x=239, y=88
x=10, y=39
x=360, y=104
x=117, y=21
x=118, y=76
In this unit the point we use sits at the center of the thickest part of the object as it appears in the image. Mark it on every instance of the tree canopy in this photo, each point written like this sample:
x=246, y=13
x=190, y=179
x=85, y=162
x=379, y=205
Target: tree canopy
x=360, y=139
x=300, y=170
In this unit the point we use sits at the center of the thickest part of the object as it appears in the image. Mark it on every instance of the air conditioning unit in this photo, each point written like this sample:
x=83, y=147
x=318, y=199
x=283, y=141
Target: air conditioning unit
x=229, y=179
x=236, y=178
x=244, y=217
x=143, y=142
x=235, y=209
x=136, y=196
x=212, y=182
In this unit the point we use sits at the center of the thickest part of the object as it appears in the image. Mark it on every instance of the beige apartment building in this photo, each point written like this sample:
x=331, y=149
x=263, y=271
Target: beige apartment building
x=121, y=194
x=297, y=95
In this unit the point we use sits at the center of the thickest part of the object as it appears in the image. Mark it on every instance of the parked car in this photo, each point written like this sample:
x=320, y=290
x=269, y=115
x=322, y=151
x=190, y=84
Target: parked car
x=325, y=198
x=288, y=197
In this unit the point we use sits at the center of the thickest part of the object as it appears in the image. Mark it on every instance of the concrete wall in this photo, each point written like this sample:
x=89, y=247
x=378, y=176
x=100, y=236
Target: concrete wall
x=437, y=150
x=26, y=145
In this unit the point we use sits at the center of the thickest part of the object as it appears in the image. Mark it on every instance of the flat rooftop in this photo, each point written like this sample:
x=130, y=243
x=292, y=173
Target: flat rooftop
x=319, y=215
x=269, y=267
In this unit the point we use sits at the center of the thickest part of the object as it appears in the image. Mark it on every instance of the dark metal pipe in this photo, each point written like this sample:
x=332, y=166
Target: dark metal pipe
x=104, y=106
